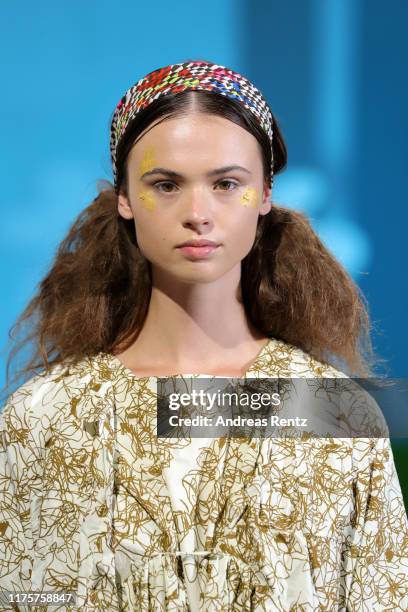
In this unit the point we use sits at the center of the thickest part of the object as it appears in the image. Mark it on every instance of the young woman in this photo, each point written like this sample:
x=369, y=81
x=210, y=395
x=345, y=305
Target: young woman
x=184, y=267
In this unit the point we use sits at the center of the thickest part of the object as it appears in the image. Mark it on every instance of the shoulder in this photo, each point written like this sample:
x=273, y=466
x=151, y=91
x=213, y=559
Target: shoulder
x=355, y=408
x=53, y=392
x=286, y=360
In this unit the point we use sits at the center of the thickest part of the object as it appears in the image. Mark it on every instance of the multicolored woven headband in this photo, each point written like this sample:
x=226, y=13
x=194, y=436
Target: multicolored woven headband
x=200, y=75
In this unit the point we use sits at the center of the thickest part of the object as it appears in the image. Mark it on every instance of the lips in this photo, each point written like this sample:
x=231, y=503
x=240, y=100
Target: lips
x=198, y=243
x=199, y=249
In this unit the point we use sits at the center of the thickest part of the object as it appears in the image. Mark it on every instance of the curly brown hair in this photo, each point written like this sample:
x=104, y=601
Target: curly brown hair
x=96, y=294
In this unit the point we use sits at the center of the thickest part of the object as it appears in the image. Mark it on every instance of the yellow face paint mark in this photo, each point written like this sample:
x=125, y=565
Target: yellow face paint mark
x=148, y=161
x=249, y=197
x=147, y=200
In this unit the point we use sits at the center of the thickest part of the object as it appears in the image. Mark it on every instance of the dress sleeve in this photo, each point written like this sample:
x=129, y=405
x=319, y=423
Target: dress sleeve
x=18, y=465
x=375, y=557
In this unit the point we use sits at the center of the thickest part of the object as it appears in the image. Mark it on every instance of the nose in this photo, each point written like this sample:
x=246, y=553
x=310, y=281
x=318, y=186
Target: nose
x=197, y=210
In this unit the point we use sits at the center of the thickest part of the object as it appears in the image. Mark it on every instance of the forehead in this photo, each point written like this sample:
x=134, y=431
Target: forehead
x=199, y=135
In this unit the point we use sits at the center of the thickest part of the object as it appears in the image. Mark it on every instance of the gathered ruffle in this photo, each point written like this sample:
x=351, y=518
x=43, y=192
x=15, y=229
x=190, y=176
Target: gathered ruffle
x=226, y=583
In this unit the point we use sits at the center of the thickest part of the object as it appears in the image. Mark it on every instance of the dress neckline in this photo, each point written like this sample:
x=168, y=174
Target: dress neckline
x=116, y=363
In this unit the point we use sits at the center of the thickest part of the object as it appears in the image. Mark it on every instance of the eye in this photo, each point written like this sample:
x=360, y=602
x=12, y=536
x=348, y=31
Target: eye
x=160, y=184
x=228, y=182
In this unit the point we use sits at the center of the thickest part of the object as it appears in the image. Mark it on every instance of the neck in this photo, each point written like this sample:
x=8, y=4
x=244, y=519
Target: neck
x=195, y=327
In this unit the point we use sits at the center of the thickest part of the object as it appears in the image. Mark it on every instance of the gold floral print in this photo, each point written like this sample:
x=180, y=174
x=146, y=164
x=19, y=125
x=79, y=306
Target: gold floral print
x=249, y=197
x=148, y=160
x=148, y=201
x=93, y=502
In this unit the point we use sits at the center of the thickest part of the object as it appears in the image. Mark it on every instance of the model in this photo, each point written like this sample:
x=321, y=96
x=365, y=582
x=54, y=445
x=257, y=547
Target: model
x=184, y=266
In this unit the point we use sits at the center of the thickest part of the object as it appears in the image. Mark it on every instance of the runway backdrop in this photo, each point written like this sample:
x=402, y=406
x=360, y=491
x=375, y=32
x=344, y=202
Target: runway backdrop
x=332, y=71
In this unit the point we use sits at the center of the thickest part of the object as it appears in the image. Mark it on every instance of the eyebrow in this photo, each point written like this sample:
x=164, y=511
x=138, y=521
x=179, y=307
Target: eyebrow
x=174, y=174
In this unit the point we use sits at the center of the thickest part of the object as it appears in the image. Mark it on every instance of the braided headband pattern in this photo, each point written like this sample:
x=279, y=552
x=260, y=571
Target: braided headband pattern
x=200, y=75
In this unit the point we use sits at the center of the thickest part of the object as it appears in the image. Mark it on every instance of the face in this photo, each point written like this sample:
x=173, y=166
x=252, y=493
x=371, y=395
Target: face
x=190, y=178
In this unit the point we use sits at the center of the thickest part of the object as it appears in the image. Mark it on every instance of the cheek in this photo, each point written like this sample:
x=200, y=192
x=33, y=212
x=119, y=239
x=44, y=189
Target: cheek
x=151, y=233
x=242, y=235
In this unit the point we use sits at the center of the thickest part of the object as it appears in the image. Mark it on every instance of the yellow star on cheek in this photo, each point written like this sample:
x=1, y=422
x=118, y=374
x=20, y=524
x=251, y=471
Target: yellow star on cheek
x=249, y=197
x=148, y=161
x=147, y=200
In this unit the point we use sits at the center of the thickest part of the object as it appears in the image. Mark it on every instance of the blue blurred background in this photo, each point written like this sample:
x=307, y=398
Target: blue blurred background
x=332, y=71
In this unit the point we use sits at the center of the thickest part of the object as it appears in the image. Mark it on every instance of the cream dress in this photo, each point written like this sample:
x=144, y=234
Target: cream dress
x=92, y=502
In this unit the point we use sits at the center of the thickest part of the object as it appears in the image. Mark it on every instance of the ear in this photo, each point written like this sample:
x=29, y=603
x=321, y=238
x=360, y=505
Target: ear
x=266, y=204
x=124, y=208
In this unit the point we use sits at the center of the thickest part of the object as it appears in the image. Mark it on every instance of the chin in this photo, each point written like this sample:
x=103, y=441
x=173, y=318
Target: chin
x=199, y=272
x=198, y=276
